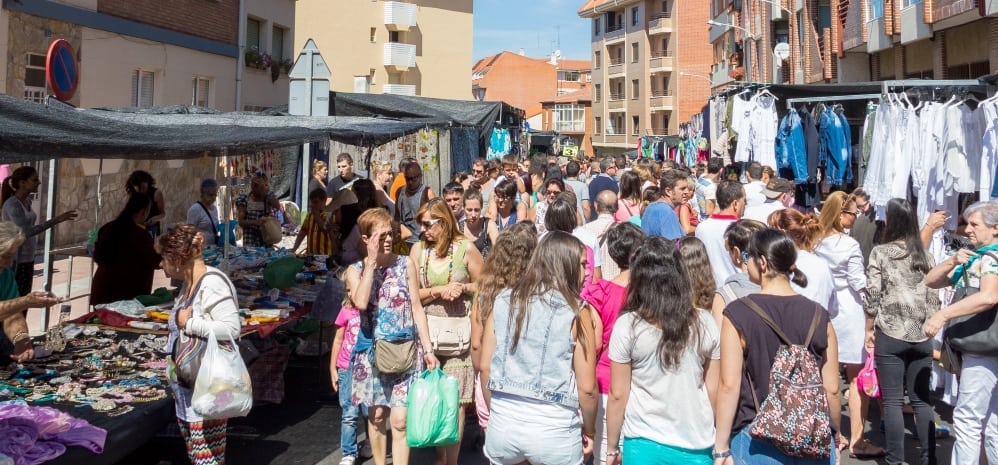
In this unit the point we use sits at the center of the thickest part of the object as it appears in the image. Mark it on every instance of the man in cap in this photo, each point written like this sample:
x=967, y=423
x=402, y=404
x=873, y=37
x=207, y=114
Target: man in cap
x=779, y=194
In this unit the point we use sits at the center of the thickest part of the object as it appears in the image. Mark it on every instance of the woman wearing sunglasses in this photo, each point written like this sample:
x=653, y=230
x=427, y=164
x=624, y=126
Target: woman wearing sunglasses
x=448, y=266
x=552, y=187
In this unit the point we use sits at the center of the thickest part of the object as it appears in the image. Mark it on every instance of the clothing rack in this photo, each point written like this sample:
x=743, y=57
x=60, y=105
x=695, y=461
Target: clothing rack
x=888, y=85
x=832, y=98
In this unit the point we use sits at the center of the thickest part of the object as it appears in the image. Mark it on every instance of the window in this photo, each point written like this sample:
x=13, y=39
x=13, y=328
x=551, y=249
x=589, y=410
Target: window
x=598, y=89
x=876, y=9
x=635, y=126
x=912, y=2
x=634, y=16
x=143, y=85
x=596, y=60
x=635, y=54
x=597, y=125
x=277, y=44
x=374, y=35
x=34, y=78
x=569, y=117
x=596, y=26
x=202, y=87
x=394, y=36
x=569, y=76
x=635, y=89
x=252, y=33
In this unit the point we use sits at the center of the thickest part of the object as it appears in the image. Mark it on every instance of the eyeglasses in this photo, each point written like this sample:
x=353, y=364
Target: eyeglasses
x=478, y=171
x=846, y=212
x=553, y=192
x=429, y=224
x=862, y=207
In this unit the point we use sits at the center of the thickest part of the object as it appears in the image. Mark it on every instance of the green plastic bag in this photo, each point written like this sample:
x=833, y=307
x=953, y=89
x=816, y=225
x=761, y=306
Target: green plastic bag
x=433, y=408
x=280, y=273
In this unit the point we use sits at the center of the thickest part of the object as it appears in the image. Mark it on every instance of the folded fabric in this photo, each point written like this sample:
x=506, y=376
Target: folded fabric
x=34, y=435
x=158, y=297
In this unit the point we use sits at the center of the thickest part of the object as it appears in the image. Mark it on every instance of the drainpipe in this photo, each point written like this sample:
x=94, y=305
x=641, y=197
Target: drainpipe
x=240, y=60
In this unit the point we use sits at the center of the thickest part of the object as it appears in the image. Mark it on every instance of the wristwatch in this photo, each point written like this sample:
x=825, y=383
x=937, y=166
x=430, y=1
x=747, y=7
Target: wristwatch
x=722, y=455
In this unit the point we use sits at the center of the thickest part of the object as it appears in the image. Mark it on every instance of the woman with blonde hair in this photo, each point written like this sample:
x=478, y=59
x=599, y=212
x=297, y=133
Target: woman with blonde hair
x=381, y=174
x=805, y=231
x=844, y=259
x=384, y=287
x=511, y=252
x=448, y=267
x=320, y=171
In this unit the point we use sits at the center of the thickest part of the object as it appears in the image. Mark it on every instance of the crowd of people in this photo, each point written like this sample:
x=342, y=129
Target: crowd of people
x=616, y=308
x=638, y=310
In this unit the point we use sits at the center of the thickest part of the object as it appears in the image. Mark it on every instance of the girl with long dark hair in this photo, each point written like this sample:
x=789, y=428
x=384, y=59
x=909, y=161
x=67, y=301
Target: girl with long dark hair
x=749, y=346
x=538, y=362
x=897, y=305
x=629, y=204
x=661, y=343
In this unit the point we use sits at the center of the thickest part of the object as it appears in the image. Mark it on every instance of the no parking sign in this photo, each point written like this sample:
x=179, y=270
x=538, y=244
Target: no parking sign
x=61, y=71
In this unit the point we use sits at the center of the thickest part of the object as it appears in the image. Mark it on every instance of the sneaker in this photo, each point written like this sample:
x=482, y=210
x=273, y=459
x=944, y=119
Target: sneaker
x=348, y=460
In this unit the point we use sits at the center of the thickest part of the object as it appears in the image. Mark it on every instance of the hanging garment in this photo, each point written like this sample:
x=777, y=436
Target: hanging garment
x=835, y=145
x=790, y=149
x=963, y=147
x=989, y=156
x=498, y=144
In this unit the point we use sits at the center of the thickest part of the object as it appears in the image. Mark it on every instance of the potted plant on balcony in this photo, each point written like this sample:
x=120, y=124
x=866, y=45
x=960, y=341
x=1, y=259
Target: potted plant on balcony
x=737, y=72
x=256, y=59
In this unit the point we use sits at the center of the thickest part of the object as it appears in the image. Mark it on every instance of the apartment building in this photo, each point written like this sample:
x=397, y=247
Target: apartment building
x=571, y=115
x=139, y=53
x=525, y=82
x=929, y=39
x=415, y=47
x=650, y=68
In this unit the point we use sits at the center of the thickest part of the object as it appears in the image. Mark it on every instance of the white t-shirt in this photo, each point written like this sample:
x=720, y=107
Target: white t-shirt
x=753, y=193
x=762, y=211
x=711, y=232
x=589, y=240
x=668, y=406
x=820, y=285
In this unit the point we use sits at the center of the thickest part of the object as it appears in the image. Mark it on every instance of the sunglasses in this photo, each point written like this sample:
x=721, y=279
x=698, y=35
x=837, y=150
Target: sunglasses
x=413, y=178
x=478, y=171
x=553, y=192
x=429, y=224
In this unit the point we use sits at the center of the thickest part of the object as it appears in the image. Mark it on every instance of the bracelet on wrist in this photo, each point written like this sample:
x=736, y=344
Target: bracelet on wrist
x=613, y=453
x=722, y=454
x=19, y=336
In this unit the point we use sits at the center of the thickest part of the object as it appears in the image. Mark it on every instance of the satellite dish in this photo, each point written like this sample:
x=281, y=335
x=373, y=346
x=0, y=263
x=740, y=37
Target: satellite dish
x=782, y=51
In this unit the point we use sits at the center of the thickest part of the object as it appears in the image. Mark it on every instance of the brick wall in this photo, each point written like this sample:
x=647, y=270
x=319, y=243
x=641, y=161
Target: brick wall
x=993, y=43
x=939, y=70
x=216, y=20
x=692, y=42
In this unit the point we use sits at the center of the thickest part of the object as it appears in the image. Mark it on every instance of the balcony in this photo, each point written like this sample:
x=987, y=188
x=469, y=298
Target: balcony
x=660, y=23
x=400, y=56
x=616, y=68
x=617, y=139
x=400, y=16
x=614, y=34
x=660, y=100
x=399, y=89
x=616, y=102
x=570, y=126
x=913, y=26
x=661, y=61
x=657, y=132
x=720, y=74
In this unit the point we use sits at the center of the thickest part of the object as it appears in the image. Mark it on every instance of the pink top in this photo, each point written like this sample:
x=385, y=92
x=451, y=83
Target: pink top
x=349, y=319
x=608, y=299
x=625, y=210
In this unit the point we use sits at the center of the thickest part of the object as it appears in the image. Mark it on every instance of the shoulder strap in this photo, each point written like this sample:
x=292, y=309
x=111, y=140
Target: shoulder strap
x=815, y=319
x=767, y=319
x=214, y=229
x=730, y=293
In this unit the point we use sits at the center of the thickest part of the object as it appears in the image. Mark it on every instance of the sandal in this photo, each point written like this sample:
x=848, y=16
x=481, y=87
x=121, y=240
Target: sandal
x=868, y=450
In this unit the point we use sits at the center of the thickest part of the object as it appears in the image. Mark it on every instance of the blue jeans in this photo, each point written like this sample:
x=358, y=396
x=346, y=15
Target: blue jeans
x=350, y=414
x=749, y=451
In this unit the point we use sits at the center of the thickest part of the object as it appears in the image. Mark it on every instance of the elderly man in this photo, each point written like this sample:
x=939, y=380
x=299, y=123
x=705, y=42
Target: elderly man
x=779, y=194
x=606, y=206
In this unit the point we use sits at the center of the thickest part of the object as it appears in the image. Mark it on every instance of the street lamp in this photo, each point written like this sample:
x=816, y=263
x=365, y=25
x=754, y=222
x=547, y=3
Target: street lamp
x=745, y=50
x=776, y=4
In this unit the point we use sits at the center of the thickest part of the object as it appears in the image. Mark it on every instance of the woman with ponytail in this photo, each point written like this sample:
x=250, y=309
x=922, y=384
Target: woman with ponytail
x=805, y=231
x=749, y=346
x=17, y=209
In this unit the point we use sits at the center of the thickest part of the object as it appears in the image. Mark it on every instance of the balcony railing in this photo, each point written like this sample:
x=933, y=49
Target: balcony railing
x=660, y=64
x=614, y=96
x=400, y=56
x=661, y=102
x=657, y=131
x=615, y=105
x=400, y=16
x=661, y=92
x=399, y=89
x=614, y=33
x=660, y=22
x=570, y=126
x=661, y=53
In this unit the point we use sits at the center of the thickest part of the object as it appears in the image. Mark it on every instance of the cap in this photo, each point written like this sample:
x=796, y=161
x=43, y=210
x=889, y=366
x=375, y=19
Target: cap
x=777, y=187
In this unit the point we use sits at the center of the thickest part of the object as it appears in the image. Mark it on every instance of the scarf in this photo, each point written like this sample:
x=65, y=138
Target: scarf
x=962, y=269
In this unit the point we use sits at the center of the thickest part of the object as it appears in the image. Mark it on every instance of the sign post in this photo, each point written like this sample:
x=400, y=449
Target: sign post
x=308, y=95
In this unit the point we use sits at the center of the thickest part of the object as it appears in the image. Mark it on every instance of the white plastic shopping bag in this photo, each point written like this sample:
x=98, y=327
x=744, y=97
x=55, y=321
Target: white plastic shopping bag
x=223, y=388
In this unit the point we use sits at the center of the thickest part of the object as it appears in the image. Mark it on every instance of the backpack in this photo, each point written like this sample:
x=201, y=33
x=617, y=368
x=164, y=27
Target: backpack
x=794, y=416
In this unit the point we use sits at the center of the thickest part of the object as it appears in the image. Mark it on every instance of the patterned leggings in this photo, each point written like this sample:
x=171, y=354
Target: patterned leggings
x=205, y=441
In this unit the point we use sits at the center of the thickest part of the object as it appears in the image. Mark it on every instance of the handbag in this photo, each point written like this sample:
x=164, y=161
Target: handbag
x=270, y=230
x=188, y=350
x=449, y=336
x=975, y=334
x=867, y=380
x=393, y=357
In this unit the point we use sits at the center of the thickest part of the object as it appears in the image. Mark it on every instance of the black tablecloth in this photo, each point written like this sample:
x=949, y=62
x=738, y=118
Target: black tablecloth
x=125, y=433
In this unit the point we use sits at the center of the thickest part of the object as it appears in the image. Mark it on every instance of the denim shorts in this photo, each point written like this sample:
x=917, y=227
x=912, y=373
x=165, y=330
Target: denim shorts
x=522, y=429
x=750, y=451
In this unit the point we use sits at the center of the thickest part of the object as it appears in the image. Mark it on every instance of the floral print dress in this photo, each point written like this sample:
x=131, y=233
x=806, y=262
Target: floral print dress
x=388, y=317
